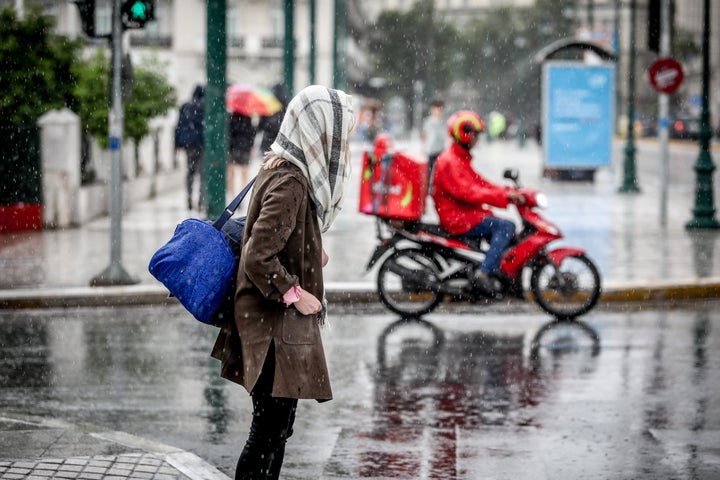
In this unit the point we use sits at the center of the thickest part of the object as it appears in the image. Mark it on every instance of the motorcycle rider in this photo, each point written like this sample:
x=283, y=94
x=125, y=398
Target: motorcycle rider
x=462, y=196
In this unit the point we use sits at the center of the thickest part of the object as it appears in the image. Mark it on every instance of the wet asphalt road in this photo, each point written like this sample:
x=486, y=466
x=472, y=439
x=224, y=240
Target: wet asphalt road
x=490, y=394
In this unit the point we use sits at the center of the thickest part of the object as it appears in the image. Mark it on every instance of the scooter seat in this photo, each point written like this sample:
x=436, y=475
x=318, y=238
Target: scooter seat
x=434, y=229
x=431, y=228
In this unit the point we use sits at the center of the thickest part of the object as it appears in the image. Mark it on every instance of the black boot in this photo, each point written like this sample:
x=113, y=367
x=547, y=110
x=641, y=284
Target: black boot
x=483, y=282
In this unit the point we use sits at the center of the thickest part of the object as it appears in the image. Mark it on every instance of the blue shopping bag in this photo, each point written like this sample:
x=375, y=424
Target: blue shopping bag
x=198, y=265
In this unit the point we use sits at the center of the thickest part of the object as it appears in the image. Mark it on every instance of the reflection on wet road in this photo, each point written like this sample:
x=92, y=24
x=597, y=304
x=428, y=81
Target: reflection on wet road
x=623, y=395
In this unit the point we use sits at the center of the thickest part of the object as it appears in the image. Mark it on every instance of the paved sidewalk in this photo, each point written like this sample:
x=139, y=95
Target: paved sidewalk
x=39, y=449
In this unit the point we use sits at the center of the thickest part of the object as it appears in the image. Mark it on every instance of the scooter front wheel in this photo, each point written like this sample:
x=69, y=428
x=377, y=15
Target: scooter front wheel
x=567, y=290
x=408, y=282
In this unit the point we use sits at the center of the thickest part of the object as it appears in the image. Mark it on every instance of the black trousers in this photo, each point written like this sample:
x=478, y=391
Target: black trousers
x=431, y=170
x=271, y=426
x=195, y=167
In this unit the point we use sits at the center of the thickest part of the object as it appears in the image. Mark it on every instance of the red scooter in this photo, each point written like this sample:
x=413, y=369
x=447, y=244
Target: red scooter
x=423, y=265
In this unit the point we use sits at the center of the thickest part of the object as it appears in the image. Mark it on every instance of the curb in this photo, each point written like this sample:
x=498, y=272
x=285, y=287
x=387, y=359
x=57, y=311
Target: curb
x=670, y=291
x=336, y=293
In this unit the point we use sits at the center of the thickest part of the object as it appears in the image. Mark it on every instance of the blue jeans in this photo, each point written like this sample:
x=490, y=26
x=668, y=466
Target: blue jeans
x=500, y=231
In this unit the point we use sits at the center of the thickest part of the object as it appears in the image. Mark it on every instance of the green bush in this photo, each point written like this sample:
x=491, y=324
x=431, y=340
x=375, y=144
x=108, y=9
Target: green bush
x=42, y=71
x=36, y=68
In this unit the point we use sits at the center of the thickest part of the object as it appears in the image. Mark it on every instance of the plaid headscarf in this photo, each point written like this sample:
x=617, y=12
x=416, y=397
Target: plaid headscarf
x=314, y=136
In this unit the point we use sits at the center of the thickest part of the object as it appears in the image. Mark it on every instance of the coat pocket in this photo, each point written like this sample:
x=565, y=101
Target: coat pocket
x=299, y=329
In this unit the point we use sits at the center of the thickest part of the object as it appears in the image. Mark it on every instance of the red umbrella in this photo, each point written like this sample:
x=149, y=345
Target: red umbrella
x=250, y=100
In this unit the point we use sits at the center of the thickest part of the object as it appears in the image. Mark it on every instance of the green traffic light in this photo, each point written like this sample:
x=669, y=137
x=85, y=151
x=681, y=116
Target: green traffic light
x=138, y=11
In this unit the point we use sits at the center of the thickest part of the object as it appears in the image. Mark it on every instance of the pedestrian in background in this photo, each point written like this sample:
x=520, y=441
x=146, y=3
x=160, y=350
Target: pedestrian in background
x=434, y=135
x=274, y=348
x=242, y=133
x=189, y=137
x=270, y=126
x=369, y=121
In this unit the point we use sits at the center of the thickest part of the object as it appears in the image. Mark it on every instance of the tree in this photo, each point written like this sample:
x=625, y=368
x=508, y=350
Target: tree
x=152, y=96
x=411, y=46
x=92, y=91
x=36, y=65
x=499, y=52
x=490, y=55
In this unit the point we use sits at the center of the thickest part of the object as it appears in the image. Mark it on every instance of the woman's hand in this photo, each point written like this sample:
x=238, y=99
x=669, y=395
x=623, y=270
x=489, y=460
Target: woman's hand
x=325, y=257
x=308, y=303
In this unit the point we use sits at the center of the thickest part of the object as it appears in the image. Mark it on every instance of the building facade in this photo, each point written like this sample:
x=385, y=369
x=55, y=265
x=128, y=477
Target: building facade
x=255, y=39
x=177, y=37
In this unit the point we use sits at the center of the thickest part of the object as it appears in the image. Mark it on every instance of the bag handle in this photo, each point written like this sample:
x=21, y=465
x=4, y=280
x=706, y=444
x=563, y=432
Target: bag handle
x=232, y=206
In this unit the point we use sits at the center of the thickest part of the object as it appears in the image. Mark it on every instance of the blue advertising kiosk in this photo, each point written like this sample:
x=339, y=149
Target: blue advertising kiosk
x=578, y=114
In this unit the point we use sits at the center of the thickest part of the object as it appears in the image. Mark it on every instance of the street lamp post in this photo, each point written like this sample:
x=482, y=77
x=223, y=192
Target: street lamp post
x=289, y=48
x=339, y=46
x=704, y=211
x=313, y=41
x=520, y=43
x=216, y=136
x=488, y=52
x=630, y=184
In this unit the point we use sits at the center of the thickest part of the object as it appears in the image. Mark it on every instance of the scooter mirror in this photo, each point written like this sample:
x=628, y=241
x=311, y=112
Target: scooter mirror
x=511, y=174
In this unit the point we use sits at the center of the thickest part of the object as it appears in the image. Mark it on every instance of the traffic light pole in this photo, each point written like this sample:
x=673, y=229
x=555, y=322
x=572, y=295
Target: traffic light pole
x=115, y=274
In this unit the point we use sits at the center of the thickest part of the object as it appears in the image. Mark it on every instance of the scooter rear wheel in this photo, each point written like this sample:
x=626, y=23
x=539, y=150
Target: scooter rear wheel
x=569, y=290
x=408, y=282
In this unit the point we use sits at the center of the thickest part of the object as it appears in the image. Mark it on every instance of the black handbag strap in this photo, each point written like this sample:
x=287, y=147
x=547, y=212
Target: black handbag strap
x=232, y=206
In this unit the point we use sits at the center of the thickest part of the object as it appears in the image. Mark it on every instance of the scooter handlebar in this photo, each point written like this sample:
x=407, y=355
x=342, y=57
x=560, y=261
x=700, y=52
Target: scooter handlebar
x=526, y=197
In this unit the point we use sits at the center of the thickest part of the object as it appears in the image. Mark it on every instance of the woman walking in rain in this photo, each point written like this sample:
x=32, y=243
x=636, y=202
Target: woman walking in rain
x=274, y=348
x=241, y=131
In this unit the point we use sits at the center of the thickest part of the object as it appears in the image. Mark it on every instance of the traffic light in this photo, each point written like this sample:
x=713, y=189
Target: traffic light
x=654, y=24
x=87, y=16
x=135, y=13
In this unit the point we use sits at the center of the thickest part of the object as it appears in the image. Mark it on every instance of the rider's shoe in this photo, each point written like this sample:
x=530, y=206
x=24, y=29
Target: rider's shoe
x=483, y=282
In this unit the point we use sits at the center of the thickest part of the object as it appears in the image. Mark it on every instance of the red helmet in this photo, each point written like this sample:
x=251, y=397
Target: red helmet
x=463, y=124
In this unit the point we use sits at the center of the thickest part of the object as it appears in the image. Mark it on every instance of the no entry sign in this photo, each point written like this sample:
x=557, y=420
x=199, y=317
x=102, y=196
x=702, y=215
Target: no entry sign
x=666, y=75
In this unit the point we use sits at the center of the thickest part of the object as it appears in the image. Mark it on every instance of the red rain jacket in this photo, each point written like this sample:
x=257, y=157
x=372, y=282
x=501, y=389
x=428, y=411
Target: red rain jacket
x=461, y=195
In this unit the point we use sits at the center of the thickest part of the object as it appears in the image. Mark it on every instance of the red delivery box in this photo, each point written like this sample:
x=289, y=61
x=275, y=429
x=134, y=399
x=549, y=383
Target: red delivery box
x=393, y=184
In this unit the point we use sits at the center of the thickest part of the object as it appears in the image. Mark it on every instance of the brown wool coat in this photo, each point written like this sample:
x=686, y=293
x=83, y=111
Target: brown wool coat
x=281, y=248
